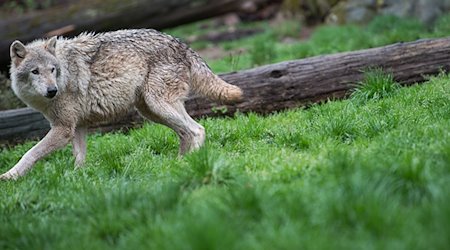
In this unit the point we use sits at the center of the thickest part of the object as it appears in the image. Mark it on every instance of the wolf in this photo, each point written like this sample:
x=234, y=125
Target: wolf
x=98, y=77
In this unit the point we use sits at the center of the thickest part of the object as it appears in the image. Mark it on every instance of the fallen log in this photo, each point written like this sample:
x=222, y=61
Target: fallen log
x=79, y=16
x=282, y=85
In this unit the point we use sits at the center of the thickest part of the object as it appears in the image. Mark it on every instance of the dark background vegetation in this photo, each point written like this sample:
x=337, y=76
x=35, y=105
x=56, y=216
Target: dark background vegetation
x=300, y=18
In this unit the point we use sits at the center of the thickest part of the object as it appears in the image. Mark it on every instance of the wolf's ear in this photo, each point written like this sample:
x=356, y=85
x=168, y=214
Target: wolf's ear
x=17, y=52
x=50, y=45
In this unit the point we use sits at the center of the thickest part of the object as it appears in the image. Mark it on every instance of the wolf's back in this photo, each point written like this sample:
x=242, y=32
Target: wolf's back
x=206, y=83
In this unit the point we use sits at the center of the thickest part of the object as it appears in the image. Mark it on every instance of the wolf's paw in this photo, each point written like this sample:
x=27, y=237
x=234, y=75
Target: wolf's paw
x=7, y=176
x=79, y=165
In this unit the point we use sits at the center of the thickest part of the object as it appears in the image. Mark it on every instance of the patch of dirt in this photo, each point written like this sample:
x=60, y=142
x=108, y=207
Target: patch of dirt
x=216, y=52
x=306, y=32
x=229, y=35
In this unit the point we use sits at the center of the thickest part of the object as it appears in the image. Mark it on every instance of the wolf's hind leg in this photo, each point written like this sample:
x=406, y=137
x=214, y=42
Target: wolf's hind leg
x=79, y=146
x=196, y=135
x=174, y=115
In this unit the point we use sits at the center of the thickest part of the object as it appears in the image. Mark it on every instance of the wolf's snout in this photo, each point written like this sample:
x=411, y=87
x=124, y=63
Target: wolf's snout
x=51, y=92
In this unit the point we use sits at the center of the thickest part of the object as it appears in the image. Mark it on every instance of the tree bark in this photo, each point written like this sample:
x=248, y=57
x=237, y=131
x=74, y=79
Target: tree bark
x=282, y=85
x=106, y=15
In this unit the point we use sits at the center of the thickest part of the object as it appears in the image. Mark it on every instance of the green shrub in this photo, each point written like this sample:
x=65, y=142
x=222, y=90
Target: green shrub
x=391, y=29
x=442, y=26
x=263, y=50
x=376, y=84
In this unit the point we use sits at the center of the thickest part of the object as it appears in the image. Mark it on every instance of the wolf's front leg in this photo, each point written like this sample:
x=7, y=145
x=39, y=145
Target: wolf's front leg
x=56, y=138
x=79, y=146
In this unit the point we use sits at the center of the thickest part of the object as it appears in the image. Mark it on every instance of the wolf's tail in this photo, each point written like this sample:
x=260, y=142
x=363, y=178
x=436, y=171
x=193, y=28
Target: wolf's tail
x=205, y=82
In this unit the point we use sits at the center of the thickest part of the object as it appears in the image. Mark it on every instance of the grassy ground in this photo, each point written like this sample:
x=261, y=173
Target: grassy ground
x=371, y=172
x=367, y=173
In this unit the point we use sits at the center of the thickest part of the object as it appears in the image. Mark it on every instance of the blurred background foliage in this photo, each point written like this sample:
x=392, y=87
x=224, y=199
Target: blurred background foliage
x=249, y=33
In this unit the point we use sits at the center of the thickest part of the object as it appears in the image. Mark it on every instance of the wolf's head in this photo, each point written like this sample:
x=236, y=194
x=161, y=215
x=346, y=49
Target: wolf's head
x=35, y=70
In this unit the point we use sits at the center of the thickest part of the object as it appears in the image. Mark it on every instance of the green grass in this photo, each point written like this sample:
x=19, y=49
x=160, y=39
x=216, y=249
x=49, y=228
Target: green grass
x=352, y=174
x=376, y=85
x=370, y=172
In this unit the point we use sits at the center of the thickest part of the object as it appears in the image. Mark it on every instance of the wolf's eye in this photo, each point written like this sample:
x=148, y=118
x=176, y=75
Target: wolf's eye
x=35, y=71
x=53, y=69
